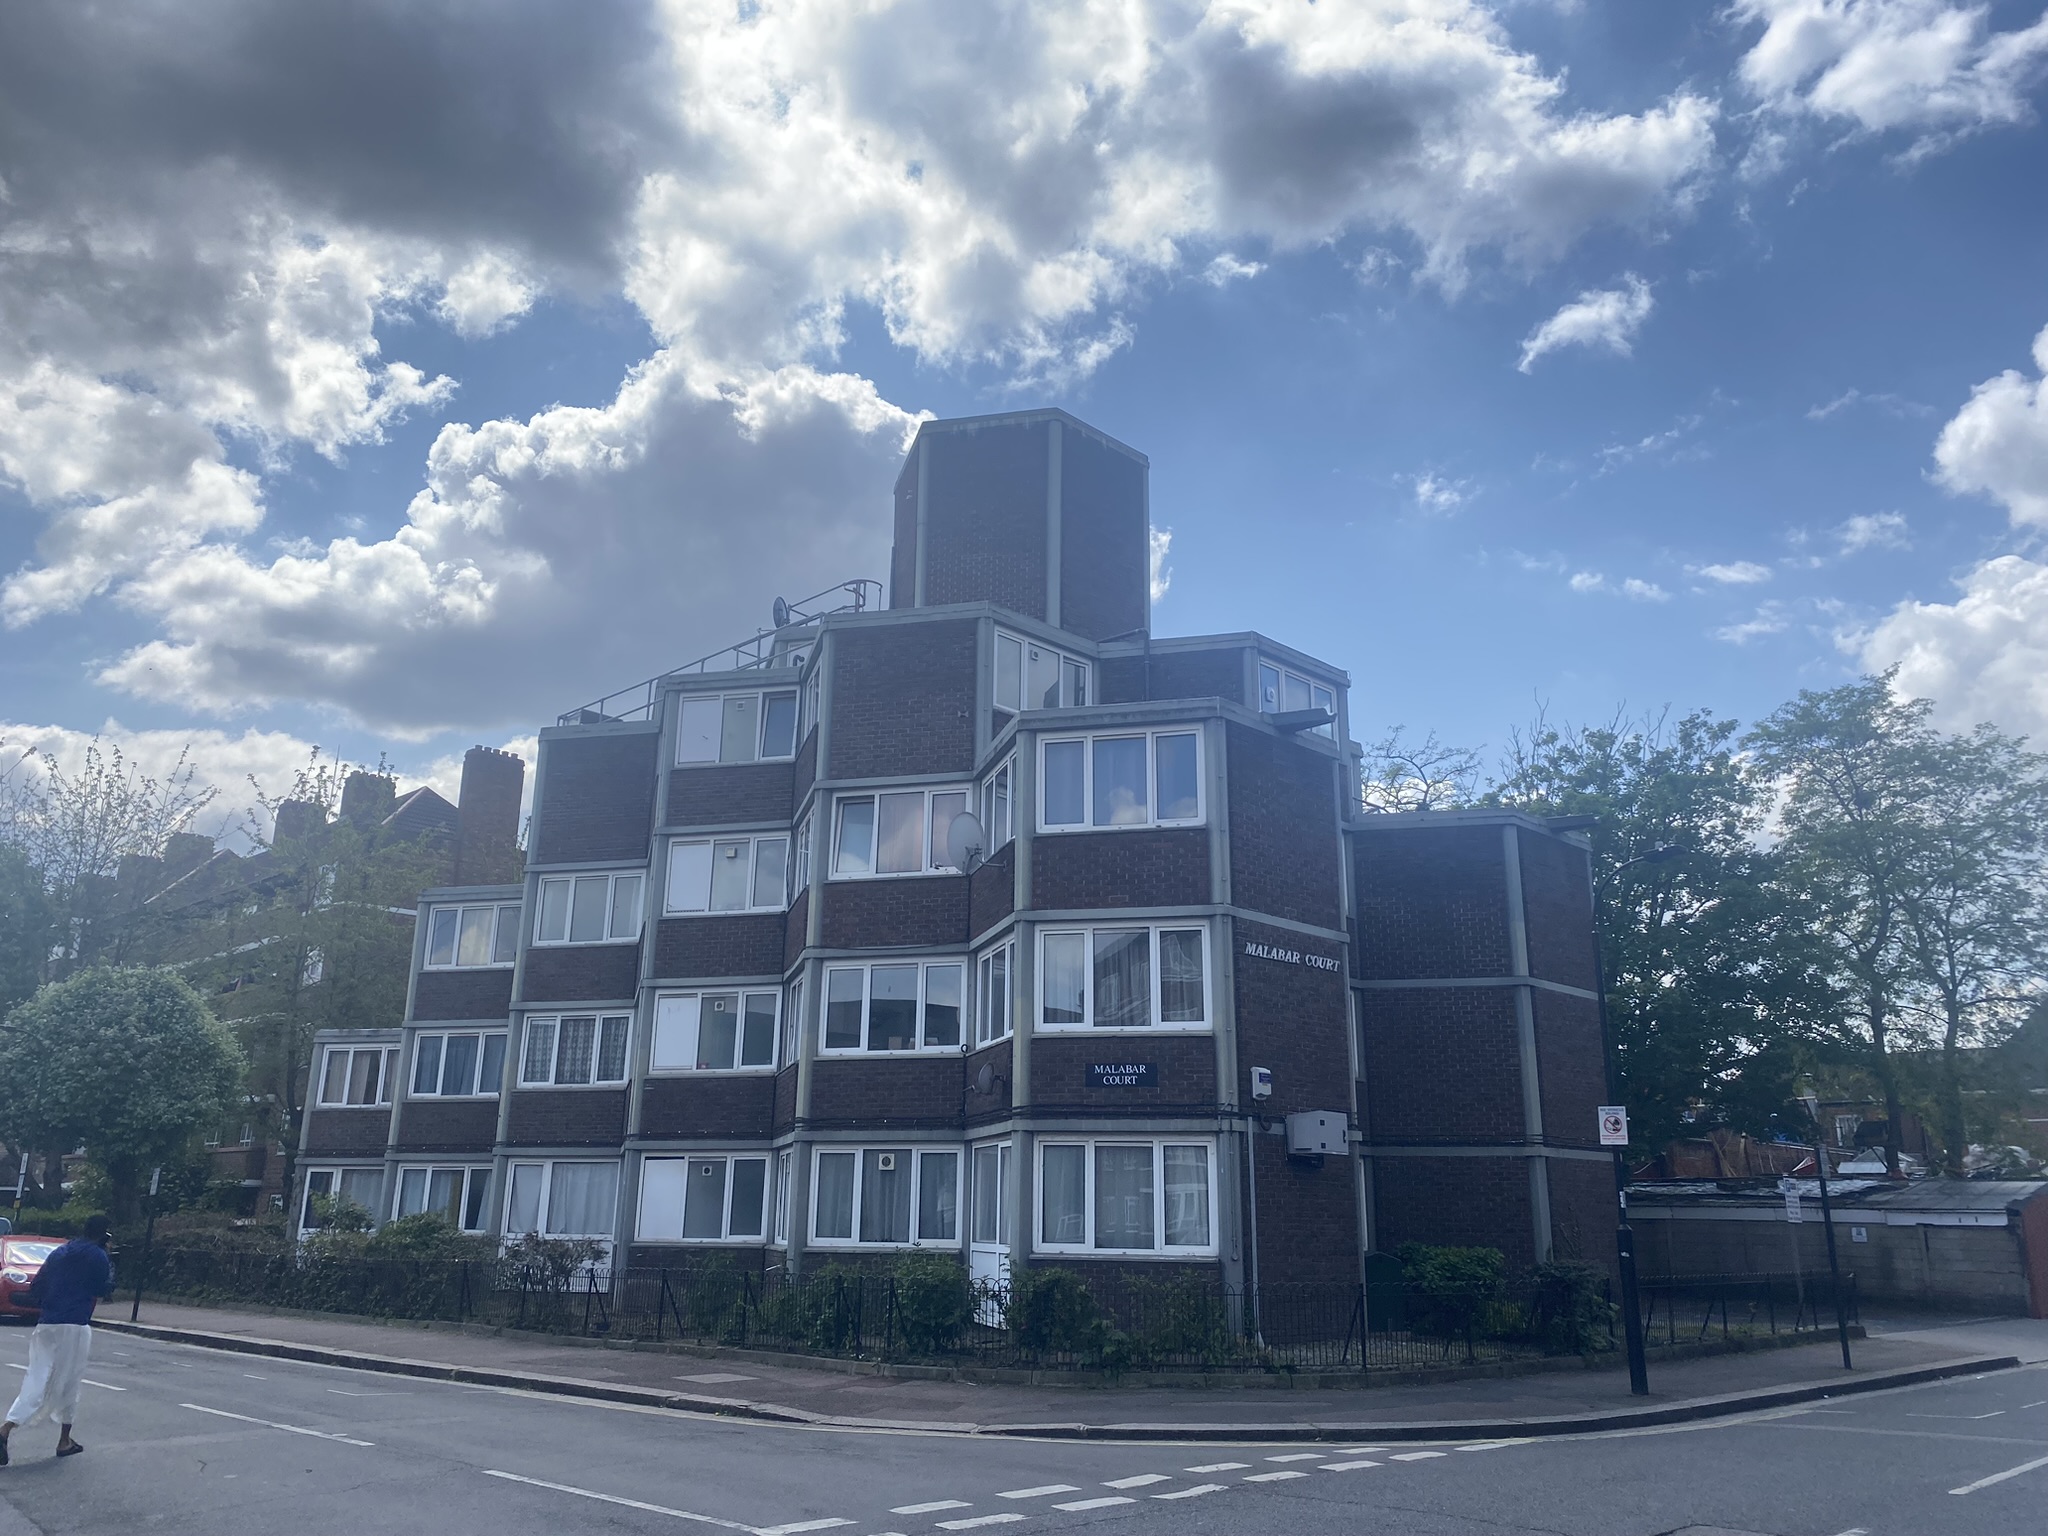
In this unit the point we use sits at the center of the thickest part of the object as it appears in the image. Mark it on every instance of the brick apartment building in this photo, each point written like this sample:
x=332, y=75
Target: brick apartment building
x=1189, y=1005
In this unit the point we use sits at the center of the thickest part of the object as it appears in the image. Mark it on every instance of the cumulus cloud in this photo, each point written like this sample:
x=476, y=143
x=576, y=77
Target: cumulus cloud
x=1770, y=619
x=1160, y=546
x=1997, y=444
x=1872, y=530
x=1739, y=573
x=1226, y=269
x=222, y=214
x=1438, y=494
x=1599, y=317
x=1633, y=588
x=1935, y=66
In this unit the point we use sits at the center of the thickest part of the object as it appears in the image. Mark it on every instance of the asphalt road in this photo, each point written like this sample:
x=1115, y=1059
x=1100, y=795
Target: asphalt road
x=184, y=1440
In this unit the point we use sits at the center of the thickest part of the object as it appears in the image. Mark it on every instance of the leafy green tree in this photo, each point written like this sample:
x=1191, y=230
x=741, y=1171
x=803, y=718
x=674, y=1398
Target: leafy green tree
x=25, y=928
x=128, y=1064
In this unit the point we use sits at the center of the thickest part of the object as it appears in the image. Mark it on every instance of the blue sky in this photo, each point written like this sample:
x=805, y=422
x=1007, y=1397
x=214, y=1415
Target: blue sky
x=1788, y=253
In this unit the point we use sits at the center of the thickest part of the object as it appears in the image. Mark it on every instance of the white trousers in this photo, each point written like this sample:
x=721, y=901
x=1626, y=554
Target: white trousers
x=57, y=1353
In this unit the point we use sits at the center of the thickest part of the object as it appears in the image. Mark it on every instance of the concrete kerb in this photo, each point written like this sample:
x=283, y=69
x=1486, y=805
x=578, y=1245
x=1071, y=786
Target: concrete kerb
x=1686, y=1411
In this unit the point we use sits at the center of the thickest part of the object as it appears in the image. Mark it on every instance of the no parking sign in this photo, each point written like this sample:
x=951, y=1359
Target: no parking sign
x=1613, y=1125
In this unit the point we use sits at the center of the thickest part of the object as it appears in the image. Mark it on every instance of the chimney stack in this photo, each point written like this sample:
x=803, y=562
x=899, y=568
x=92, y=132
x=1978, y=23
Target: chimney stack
x=297, y=820
x=367, y=798
x=487, y=848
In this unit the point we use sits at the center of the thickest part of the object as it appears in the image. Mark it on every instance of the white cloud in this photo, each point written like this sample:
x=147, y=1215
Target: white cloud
x=1632, y=587
x=1770, y=619
x=1226, y=269
x=1929, y=65
x=1644, y=591
x=1437, y=494
x=1997, y=444
x=1160, y=545
x=1890, y=404
x=1599, y=317
x=1739, y=573
x=1872, y=530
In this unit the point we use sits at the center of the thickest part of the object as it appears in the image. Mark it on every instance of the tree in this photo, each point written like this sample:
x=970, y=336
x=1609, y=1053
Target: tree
x=1715, y=988
x=1428, y=775
x=25, y=933
x=128, y=1064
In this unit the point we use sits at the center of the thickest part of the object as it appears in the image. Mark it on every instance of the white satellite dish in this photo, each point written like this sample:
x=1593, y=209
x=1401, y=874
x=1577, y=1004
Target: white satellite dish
x=964, y=842
x=781, y=613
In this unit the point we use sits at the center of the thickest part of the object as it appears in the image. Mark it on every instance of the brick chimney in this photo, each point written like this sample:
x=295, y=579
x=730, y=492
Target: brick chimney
x=487, y=848
x=367, y=798
x=297, y=820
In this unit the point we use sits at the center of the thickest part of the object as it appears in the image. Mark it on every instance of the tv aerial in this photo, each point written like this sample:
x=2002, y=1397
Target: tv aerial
x=964, y=843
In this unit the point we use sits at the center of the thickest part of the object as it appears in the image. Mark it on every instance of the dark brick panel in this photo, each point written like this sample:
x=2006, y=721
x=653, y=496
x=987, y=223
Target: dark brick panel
x=347, y=1132
x=1114, y=1281
x=730, y=794
x=1571, y=1068
x=1582, y=1211
x=785, y=1099
x=596, y=798
x=457, y=1125
x=985, y=517
x=682, y=1260
x=744, y=944
x=1284, y=846
x=576, y=973
x=1105, y=565
x=804, y=773
x=462, y=994
x=992, y=890
x=1183, y=1070
x=872, y=914
x=1166, y=868
x=708, y=1106
x=1558, y=910
x=1480, y=1202
x=567, y=1117
x=1431, y=902
x=902, y=700
x=1217, y=674
x=1442, y=1065
x=1294, y=1019
x=796, y=929
x=1308, y=1217
x=918, y=1091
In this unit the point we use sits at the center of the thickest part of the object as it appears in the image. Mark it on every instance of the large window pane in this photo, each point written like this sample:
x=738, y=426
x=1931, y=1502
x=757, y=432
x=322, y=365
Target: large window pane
x=835, y=1195
x=1123, y=1197
x=334, y=1085
x=586, y=913
x=1009, y=673
x=842, y=1009
x=675, y=1034
x=506, y=949
x=987, y=1196
x=611, y=1049
x=742, y=728
x=473, y=1199
x=554, y=912
x=458, y=1065
x=942, y=988
x=441, y=936
x=999, y=822
x=582, y=1198
x=938, y=1197
x=1076, y=679
x=1180, y=976
x=757, y=1039
x=892, y=1008
x=1042, y=690
x=778, y=725
x=718, y=1032
x=1294, y=692
x=704, y=1198
x=426, y=1064
x=474, y=947
x=522, y=1210
x=362, y=1187
x=444, y=1193
x=854, y=852
x=1065, y=799
x=730, y=875
x=1179, y=790
x=490, y=1072
x=771, y=871
x=901, y=847
x=1121, y=796
x=362, y=1077
x=539, y=1065
x=1123, y=978
x=697, y=732
x=575, y=1050
x=1064, y=984
x=885, y=1195
x=412, y=1191
x=1187, y=1197
x=689, y=876
x=945, y=808
x=1064, y=1199
x=625, y=920
x=749, y=1185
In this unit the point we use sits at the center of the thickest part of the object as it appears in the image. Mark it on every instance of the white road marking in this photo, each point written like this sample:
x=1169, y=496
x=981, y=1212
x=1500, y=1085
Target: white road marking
x=979, y=1520
x=290, y=1429
x=612, y=1498
x=799, y=1525
x=1999, y=1477
x=1363, y=1450
x=2041, y=1404
x=926, y=1509
x=107, y=1385
x=1274, y=1477
x=1143, y=1480
x=1038, y=1493
x=1299, y=1456
x=714, y=1378
x=1854, y=1530
x=1969, y=1418
x=1191, y=1493
x=1080, y=1504
x=343, y=1392
x=1220, y=1466
x=1415, y=1455
x=254, y=1377
x=1477, y=1445
x=1346, y=1466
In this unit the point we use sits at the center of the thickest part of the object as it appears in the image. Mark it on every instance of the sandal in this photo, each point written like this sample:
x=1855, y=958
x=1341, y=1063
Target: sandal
x=73, y=1449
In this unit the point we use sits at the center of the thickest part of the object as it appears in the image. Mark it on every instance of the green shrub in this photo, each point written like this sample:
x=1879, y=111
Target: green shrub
x=1453, y=1292
x=1052, y=1312
x=1572, y=1315
x=933, y=1301
x=1182, y=1320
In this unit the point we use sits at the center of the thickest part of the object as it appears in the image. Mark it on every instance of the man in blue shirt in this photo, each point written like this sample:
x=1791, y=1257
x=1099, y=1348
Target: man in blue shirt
x=67, y=1288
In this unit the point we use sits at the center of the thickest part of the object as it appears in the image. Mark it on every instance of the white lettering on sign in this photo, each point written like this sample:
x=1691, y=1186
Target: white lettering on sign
x=1292, y=956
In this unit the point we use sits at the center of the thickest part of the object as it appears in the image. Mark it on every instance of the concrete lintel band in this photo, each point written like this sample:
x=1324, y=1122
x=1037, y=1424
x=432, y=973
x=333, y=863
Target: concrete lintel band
x=1423, y=983
x=1509, y=1149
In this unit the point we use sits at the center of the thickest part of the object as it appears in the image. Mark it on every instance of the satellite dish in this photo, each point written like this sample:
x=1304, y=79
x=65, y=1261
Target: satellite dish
x=781, y=612
x=985, y=1080
x=964, y=842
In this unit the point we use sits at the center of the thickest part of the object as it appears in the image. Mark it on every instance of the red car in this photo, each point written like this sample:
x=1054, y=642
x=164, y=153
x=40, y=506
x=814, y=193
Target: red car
x=20, y=1258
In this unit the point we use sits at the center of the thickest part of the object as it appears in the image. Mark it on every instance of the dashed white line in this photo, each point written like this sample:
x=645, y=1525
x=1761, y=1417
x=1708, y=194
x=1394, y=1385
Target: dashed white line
x=1274, y=1477
x=799, y=1525
x=1299, y=1456
x=613, y=1498
x=932, y=1508
x=1039, y=1493
x=976, y=1521
x=1220, y=1466
x=1143, y=1480
x=290, y=1429
x=1191, y=1493
x=1414, y=1455
x=1080, y=1504
x=104, y=1385
x=1346, y=1466
x=1363, y=1450
x=1999, y=1477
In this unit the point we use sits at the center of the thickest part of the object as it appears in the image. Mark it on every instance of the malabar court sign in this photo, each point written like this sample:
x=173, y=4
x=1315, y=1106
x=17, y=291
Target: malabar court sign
x=1313, y=961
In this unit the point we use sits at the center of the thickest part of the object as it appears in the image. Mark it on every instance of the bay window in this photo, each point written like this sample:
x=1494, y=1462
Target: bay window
x=897, y=832
x=1135, y=779
x=714, y=1031
x=1281, y=691
x=1118, y=1196
x=885, y=1195
x=1123, y=978
x=992, y=996
x=562, y=1199
x=900, y=1006
x=357, y=1076
x=589, y=909
x=361, y=1188
x=575, y=1050
x=457, y=1195
x=728, y=874
x=461, y=938
x=458, y=1065
x=1034, y=676
x=703, y=1198
x=736, y=727
x=998, y=819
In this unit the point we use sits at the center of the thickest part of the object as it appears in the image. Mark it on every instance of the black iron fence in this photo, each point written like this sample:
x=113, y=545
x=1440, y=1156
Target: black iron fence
x=1060, y=1319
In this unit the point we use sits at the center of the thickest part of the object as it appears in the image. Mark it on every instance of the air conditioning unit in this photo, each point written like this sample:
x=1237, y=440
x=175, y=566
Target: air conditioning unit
x=1316, y=1133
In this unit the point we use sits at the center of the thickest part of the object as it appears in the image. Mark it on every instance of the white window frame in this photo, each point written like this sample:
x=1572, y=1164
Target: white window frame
x=686, y=736
x=791, y=1035
x=473, y=1190
x=334, y=1174
x=483, y=1038
x=1017, y=664
x=999, y=814
x=683, y=864
x=784, y=1175
x=614, y=931
x=654, y=1168
x=1090, y=1146
x=385, y=1069
x=504, y=921
x=917, y=1153
x=1273, y=694
x=600, y=1021
x=1157, y=1025
x=1152, y=817
x=933, y=839
x=547, y=1167
x=800, y=855
x=995, y=994
x=680, y=1014
x=924, y=965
